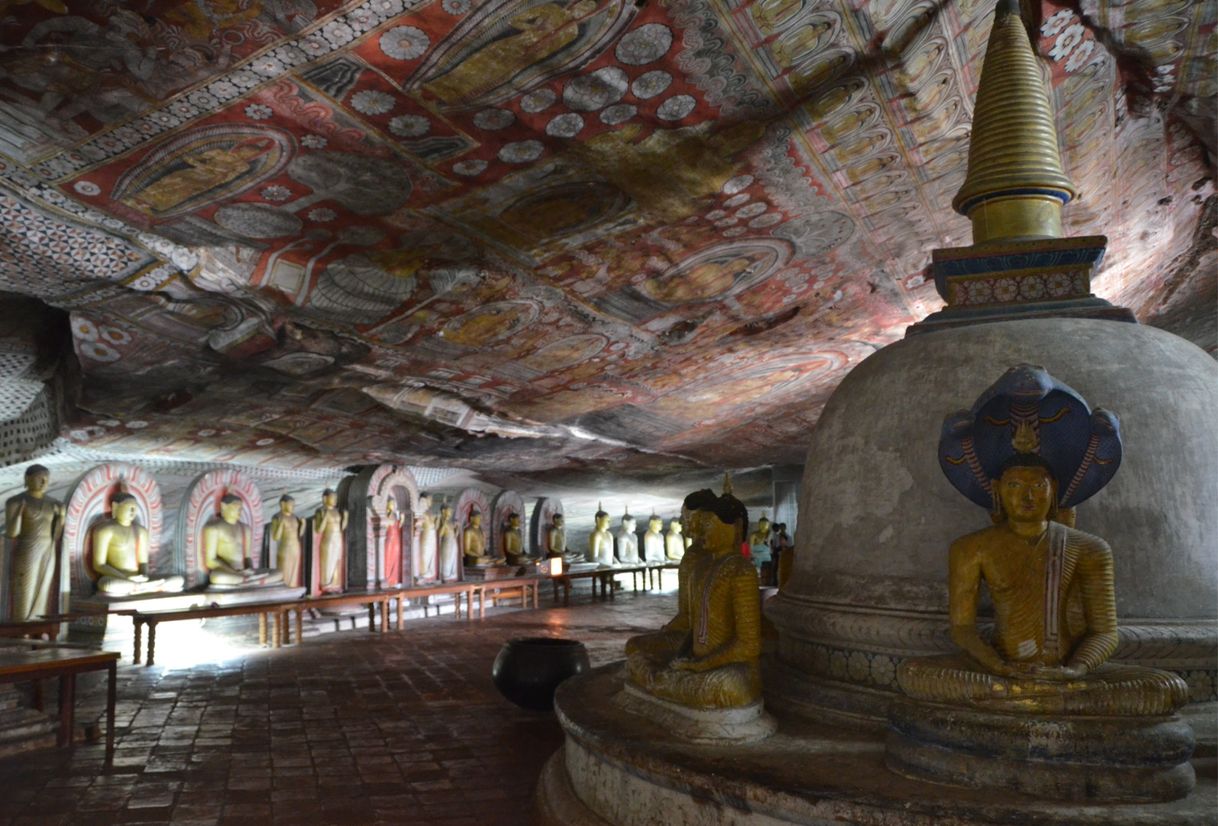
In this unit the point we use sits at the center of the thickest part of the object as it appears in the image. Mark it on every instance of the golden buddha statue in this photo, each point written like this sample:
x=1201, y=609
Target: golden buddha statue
x=717, y=663
x=513, y=542
x=1051, y=585
x=556, y=537
x=120, y=554
x=674, y=542
x=649, y=652
x=287, y=532
x=600, y=541
x=34, y=523
x=473, y=542
x=226, y=550
x=329, y=532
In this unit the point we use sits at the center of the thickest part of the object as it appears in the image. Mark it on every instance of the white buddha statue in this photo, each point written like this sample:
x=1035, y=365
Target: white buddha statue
x=627, y=541
x=600, y=541
x=653, y=541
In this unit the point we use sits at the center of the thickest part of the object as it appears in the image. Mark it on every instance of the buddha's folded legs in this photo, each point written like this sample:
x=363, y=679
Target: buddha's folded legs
x=118, y=587
x=731, y=686
x=1111, y=690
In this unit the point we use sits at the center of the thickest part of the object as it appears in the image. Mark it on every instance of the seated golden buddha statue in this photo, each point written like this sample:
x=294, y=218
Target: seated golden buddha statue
x=656, y=649
x=120, y=554
x=513, y=542
x=716, y=663
x=1051, y=585
x=226, y=549
x=474, y=542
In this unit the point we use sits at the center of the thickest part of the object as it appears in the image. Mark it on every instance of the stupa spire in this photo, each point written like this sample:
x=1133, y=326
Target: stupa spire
x=1015, y=186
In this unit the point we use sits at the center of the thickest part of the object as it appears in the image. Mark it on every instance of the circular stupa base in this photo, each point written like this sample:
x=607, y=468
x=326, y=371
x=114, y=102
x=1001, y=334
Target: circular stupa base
x=620, y=768
x=1079, y=759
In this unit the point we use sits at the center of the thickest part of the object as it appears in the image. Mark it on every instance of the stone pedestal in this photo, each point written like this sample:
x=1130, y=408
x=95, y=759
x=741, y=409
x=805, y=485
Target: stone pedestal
x=709, y=725
x=482, y=573
x=621, y=768
x=1081, y=759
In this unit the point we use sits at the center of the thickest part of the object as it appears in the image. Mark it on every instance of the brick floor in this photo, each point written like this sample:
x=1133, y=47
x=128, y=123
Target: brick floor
x=351, y=727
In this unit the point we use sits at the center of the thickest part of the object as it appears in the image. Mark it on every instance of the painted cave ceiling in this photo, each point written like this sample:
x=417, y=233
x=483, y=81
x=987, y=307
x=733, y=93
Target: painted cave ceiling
x=544, y=235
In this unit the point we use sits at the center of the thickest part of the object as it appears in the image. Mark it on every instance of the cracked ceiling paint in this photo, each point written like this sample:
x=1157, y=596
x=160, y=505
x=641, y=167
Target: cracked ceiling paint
x=544, y=235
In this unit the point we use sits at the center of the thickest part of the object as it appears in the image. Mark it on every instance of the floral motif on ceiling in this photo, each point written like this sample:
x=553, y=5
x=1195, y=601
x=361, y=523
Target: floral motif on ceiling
x=518, y=234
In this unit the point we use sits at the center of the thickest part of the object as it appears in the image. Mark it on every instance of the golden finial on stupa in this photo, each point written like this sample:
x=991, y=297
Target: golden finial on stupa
x=1015, y=186
x=727, y=483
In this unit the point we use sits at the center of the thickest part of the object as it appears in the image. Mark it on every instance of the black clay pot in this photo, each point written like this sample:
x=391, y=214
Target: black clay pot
x=528, y=670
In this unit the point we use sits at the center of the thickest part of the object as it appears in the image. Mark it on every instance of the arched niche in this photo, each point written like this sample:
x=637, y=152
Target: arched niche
x=506, y=503
x=88, y=504
x=202, y=502
x=539, y=526
x=367, y=495
x=468, y=501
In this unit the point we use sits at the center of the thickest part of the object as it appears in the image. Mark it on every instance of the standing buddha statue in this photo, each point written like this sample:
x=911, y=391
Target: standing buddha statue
x=287, y=532
x=426, y=545
x=392, y=554
x=34, y=523
x=446, y=538
x=329, y=534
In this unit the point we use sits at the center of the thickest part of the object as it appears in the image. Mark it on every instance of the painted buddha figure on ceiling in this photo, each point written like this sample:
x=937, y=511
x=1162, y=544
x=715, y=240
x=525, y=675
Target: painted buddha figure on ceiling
x=1031, y=449
x=226, y=550
x=717, y=664
x=120, y=553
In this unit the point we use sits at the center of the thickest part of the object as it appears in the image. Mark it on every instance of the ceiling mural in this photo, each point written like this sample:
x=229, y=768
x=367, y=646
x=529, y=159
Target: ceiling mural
x=529, y=235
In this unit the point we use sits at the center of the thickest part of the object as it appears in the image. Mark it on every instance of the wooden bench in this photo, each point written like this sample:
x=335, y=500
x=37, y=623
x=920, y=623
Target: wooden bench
x=566, y=581
x=457, y=589
x=64, y=663
x=153, y=618
x=46, y=625
x=529, y=587
x=370, y=598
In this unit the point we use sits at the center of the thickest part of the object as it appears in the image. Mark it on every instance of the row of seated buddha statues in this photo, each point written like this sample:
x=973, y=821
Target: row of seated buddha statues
x=1029, y=703
x=607, y=548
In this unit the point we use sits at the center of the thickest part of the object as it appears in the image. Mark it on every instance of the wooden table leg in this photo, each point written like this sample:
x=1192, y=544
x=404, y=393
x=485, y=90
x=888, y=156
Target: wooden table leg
x=67, y=709
x=110, y=703
x=481, y=603
x=566, y=592
x=299, y=624
x=385, y=615
x=139, y=627
x=278, y=629
x=262, y=628
x=398, y=599
x=151, y=643
x=371, y=617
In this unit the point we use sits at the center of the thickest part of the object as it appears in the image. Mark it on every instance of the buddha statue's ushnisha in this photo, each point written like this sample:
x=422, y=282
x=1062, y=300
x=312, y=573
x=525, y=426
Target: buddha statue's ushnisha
x=226, y=550
x=1030, y=450
x=473, y=542
x=33, y=524
x=653, y=541
x=600, y=541
x=120, y=553
x=287, y=532
x=717, y=663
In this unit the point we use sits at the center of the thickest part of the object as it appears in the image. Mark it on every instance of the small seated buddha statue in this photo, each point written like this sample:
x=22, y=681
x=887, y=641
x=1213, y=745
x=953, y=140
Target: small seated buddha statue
x=717, y=664
x=674, y=542
x=653, y=541
x=627, y=541
x=120, y=554
x=556, y=537
x=513, y=542
x=473, y=542
x=226, y=546
x=600, y=541
x=1046, y=667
